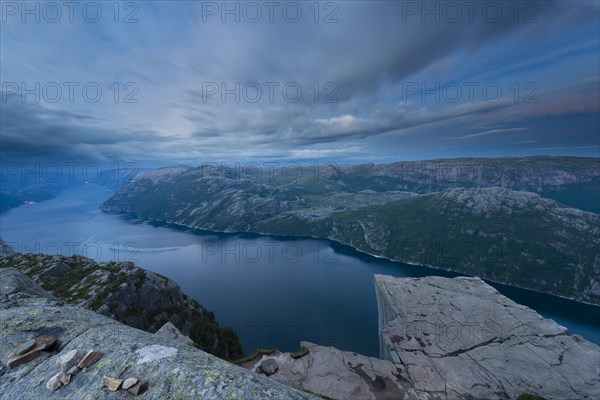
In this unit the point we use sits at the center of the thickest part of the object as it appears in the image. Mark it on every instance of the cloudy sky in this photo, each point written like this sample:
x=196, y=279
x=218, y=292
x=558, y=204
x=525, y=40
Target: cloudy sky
x=353, y=81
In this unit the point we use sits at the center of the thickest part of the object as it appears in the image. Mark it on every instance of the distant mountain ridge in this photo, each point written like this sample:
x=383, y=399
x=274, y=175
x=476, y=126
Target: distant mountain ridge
x=504, y=234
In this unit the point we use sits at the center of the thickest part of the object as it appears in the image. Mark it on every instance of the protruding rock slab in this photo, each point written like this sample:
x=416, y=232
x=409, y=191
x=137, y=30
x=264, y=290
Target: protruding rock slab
x=446, y=339
x=462, y=338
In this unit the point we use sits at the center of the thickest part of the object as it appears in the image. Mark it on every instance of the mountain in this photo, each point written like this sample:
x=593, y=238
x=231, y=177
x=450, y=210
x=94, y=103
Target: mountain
x=23, y=183
x=136, y=297
x=509, y=236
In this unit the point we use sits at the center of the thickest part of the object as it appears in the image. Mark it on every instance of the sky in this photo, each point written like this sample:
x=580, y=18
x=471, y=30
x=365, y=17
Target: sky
x=187, y=82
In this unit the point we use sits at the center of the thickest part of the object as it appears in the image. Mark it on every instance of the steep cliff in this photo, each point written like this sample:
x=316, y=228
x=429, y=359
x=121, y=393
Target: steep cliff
x=447, y=339
x=510, y=236
x=456, y=338
x=129, y=294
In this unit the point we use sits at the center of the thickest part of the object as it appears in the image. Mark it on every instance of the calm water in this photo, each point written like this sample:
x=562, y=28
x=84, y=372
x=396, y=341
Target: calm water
x=273, y=291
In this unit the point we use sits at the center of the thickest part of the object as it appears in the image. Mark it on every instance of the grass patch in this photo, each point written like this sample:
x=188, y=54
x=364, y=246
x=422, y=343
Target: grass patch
x=255, y=354
x=299, y=354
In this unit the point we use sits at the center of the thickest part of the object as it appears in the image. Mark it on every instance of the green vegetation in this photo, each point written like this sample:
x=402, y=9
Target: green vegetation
x=528, y=241
x=299, y=354
x=255, y=354
x=80, y=280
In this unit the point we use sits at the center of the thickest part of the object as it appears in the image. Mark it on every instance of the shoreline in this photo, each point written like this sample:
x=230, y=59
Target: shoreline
x=291, y=237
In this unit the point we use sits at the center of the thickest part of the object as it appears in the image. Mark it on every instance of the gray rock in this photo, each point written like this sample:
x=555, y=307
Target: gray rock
x=446, y=339
x=73, y=370
x=127, y=293
x=461, y=338
x=70, y=359
x=13, y=281
x=54, y=382
x=65, y=378
x=340, y=374
x=186, y=373
x=268, y=366
x=6, y=249
x=169, y=331
x=128, y=383
x=24, y=347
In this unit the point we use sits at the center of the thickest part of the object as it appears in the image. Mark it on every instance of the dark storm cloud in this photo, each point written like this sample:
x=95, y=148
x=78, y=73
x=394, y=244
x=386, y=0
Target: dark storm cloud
x=362, y=63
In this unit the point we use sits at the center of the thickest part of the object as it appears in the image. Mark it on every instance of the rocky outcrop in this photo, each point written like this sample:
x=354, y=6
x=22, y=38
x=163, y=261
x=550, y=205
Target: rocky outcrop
x=170, y=331
x=459, y=337
x=448, y=339
x=155, y=367
x=139, y=298
x=13, y=281
x=338, y=374
x=5, y=249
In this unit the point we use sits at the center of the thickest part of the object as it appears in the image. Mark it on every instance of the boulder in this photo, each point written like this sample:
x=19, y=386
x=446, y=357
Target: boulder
x=268, y=366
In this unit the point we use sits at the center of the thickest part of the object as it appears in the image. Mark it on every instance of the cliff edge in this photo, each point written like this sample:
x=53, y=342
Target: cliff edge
x=167, y=369
x=447, y=339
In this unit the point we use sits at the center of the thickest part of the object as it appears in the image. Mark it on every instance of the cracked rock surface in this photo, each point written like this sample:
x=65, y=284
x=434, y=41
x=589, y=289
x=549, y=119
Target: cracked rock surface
x=460, y=337
x=449, y=339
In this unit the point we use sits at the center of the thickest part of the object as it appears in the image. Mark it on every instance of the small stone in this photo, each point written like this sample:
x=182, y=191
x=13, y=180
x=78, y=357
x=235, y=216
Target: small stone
x=269, y=366
x=24, y=347
x=64, y=378
x=139, y=388
x=70, y=359
x=45, y=342
x=73, y=370
x=128, y=383
x=54, y=382
x=24, y=358
x=90, y=359
x=88, y=397
x=113, y=383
